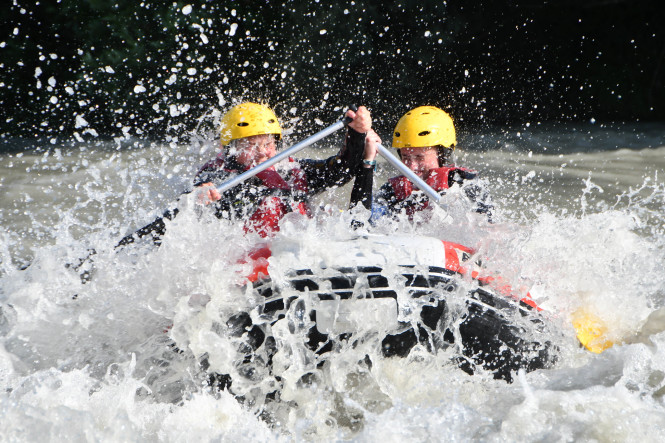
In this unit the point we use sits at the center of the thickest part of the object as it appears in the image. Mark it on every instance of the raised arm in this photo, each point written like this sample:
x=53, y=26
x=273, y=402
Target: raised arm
x=339, y=169
x=362, y=187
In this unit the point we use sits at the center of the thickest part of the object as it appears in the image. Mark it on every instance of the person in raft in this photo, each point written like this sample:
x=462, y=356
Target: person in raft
x=249, y=136
x=425, y=140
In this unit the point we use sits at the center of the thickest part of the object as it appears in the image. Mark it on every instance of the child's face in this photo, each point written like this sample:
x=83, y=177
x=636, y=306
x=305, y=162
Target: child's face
x=256, y=149
x=420, y=160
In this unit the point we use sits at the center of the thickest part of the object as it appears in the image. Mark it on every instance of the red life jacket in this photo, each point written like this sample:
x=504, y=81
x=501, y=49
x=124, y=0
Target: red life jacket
x=265, y=219
x=438, y=179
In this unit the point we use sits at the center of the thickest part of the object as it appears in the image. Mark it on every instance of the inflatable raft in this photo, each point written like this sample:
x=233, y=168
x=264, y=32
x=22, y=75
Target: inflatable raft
x=403, y=292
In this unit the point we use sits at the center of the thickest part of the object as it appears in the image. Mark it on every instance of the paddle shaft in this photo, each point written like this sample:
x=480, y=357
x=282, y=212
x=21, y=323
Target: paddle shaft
x=281, y=156
x=408, y=173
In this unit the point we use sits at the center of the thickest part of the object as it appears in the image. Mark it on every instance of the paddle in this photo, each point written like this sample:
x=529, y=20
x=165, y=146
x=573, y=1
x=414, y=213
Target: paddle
x=408, y=173
x=591, y=331
x=157, y=227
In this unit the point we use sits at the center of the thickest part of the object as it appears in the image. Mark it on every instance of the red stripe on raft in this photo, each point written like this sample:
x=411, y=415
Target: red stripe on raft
x=496, y=283
x=452, y=257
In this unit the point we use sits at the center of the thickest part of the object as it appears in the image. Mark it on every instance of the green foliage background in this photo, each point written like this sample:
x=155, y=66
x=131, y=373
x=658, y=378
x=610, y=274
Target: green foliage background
x=486, y=62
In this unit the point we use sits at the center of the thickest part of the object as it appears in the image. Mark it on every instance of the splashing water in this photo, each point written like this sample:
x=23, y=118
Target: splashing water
x=123, y=355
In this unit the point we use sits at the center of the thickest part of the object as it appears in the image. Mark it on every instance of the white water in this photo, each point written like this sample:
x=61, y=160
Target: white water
x=581, y=229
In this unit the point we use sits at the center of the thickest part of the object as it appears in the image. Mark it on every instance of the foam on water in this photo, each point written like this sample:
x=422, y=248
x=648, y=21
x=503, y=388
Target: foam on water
x=118, y=358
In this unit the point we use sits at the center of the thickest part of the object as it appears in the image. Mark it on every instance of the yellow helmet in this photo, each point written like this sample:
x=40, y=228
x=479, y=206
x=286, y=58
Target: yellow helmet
x=248, y=119
x=424, y=126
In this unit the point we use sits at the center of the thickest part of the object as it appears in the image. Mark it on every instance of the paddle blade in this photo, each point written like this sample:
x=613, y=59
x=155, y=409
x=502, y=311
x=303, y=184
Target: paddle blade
x=591, y=331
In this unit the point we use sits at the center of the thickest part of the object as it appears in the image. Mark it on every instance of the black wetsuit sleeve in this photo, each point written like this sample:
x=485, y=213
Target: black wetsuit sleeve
x=362, y=188
x=238, y=201
x=338, y=169
x=362, y=193
x=242, y=200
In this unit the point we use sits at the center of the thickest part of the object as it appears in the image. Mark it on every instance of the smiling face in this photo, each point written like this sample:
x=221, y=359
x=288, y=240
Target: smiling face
x=420, y=160
x=251, y=151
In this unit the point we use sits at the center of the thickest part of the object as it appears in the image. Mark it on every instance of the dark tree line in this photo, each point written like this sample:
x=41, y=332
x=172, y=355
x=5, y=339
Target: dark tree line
x=151, y=68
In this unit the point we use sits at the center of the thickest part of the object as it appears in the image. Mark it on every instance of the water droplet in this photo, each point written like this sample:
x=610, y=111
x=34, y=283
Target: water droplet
x=80, y=122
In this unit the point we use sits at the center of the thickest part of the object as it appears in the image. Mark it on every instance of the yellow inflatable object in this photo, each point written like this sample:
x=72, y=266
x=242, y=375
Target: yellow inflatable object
x=424, y=126
x=591, y=331
x=248, y=119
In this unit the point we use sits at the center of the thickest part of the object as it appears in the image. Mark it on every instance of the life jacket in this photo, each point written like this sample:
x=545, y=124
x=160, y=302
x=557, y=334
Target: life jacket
x=265, y=218
x=438, y=179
